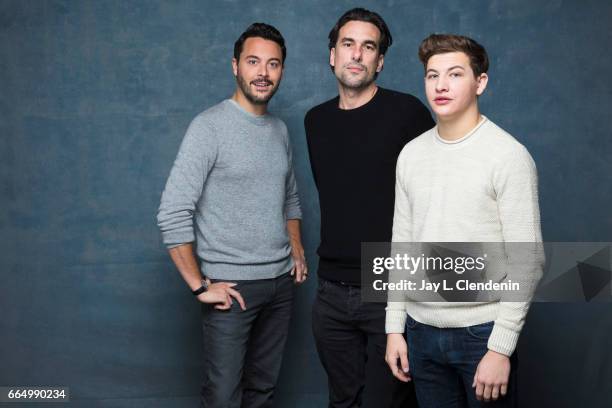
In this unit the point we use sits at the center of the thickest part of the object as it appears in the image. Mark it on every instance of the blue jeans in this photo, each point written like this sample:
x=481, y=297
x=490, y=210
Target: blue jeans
x=443, y=363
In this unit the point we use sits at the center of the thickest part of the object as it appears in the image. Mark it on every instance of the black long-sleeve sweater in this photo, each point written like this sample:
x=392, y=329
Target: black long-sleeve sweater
x=353, y=155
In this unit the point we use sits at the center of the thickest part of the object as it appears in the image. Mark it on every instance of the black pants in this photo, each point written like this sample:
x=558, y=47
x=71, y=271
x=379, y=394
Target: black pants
x=351, y=341
x=243, y=349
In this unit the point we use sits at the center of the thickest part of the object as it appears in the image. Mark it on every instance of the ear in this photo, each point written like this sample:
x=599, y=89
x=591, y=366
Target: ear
x=235, y=66
x=482, y=80
x=381, y=63
x=332, y=57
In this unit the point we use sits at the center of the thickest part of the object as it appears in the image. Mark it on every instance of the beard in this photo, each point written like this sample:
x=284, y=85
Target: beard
x=254, y=97
x=348, y=81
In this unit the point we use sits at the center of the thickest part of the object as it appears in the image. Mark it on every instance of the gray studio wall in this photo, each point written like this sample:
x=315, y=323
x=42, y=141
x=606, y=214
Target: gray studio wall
x=95, y=97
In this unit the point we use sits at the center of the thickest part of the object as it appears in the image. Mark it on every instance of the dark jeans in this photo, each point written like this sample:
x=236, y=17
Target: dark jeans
x=443, y=363
x=243, y=349
x=351, y=341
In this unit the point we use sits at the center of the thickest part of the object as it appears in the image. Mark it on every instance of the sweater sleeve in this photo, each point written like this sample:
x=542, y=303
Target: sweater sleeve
x=308, y=131
x=395, y=320
x=195, y=159
x=516, y=186
x=292, y=200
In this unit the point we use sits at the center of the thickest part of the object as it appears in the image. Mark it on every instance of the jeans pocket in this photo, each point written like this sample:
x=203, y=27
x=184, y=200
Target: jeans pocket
x=480, y=331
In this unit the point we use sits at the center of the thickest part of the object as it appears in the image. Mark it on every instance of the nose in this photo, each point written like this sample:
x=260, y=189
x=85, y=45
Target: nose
x=441, y=84
x=262, y=70
x=357, y=54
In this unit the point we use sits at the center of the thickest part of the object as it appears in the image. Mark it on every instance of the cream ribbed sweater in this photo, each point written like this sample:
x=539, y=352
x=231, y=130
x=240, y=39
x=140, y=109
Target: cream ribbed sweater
x=480, y=188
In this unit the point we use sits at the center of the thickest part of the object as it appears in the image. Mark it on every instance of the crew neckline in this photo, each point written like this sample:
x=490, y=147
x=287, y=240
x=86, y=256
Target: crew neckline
x=379, y=90
x=256, y=119
x=464, y=140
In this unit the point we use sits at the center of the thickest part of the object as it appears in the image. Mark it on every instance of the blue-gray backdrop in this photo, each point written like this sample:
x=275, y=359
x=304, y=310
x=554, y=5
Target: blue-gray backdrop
x=95, y=97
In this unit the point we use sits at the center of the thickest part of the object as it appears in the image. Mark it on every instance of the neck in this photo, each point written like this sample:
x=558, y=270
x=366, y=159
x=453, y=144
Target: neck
x=454, y=128
x=351, y=98
x=255, y=109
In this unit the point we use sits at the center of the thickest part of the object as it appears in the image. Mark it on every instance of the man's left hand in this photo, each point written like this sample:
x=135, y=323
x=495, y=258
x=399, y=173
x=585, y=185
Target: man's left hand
x=491, y=379
x=299, y=270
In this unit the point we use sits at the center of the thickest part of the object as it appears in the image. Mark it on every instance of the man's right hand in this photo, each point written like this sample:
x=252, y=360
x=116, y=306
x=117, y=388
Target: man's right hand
x=221, y=294
x=397, y=349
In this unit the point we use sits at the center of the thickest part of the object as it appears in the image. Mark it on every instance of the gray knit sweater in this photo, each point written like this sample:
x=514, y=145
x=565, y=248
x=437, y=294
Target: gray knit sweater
x=231, y=190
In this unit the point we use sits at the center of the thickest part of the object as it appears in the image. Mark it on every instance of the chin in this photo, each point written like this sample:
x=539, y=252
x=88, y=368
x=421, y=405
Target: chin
x=442, y=112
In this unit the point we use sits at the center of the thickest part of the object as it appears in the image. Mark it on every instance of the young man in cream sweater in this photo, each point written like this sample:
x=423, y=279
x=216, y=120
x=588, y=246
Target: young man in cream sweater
x=465, y=180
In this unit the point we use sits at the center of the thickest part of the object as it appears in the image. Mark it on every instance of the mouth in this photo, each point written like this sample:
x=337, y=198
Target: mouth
x=355, y=68
x=262, y=85
x=442, y=100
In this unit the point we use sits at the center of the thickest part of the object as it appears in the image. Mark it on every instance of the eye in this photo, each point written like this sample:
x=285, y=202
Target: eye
x=431, y=76
x=251, y=61
x=346, y=44
x=274, y=64
x=370, y=47
x=455, y=74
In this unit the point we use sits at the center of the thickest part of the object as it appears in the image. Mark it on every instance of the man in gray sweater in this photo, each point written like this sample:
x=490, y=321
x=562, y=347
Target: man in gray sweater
x=232, y=191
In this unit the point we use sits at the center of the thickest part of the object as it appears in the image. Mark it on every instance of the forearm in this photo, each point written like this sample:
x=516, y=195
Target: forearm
x=184, y=258
x=295, y=237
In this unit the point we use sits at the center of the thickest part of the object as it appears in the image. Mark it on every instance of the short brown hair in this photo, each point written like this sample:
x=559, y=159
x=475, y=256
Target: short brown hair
x=443, y=43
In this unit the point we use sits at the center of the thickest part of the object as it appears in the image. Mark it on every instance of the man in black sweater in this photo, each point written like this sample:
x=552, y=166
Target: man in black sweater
x=354, y=140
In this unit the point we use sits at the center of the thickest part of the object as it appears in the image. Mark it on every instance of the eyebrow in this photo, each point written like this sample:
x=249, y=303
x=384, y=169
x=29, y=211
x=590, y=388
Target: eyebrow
x=257, y=58
x=368, y=42
x=450, y=69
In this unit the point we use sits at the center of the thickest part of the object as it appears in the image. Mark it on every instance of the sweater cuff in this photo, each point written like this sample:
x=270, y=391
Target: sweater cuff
x=175, y=238
x=294, y=213
x=503, y=340
x=395, y=321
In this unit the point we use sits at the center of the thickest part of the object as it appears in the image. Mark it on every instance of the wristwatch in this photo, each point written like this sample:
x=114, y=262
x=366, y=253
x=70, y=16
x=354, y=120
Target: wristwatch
x=201, y=289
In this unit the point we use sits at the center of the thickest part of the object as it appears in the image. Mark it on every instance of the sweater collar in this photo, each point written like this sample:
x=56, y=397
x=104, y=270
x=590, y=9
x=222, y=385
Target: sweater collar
x=461, y=141
x=255, y=119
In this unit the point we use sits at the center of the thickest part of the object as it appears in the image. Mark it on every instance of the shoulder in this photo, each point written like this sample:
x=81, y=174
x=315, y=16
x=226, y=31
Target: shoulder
x=321, y=110
x=208, y=123
x=276, y=122
x=278, y=127
x=213, y=116
x=503, y=142
x=406, y=108
x=399, y=97
x=505, y=148
x=417, y=146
